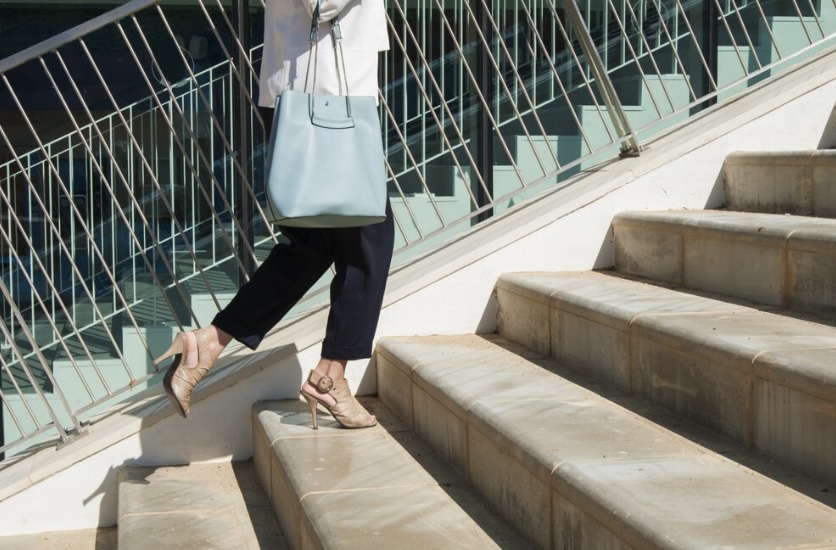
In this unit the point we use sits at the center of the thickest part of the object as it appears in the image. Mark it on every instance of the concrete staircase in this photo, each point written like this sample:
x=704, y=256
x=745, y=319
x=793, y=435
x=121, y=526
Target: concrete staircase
x=591, y=463
x=685, y=400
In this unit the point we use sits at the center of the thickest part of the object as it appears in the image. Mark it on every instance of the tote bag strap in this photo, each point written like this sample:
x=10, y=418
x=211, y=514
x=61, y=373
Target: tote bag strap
x=313, y=49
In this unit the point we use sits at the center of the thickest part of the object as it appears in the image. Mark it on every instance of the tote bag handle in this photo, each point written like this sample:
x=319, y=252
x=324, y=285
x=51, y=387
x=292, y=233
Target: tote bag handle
x=313, y=50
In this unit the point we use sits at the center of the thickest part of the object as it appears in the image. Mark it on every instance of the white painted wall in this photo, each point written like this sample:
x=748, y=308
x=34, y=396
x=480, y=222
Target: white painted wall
x=447, y=292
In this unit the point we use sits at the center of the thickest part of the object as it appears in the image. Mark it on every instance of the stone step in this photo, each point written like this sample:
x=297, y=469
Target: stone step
x=778, y=260
x=100, y=539
x=761, y=378
x=794, y=182
x=573, y=469
x=219, y=506
x=380, y=487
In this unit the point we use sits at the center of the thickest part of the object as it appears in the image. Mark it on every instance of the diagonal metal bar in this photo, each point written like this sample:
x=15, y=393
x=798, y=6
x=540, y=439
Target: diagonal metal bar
x=629, y=142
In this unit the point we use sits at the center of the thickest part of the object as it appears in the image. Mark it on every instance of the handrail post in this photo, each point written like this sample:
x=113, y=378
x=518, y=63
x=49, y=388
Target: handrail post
x=243, y=128
x=484, y=126
x=629, y=143
x=709, y=45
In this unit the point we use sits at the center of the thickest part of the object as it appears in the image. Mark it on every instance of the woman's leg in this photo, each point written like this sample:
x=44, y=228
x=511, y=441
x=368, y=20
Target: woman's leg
x=362, y=259
x=288, y=272
x=276, y=286
x=361, y=256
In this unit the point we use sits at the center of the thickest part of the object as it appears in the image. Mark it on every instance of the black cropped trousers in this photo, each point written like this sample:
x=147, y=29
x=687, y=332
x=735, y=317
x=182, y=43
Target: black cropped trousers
x=361, y=257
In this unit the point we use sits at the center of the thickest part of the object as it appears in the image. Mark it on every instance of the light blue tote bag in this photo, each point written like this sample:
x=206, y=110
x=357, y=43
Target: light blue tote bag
x=325, y=167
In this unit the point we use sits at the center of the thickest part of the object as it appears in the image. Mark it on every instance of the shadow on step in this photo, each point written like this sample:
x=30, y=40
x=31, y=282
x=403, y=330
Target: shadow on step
x=257, y=506
x=449, y=480
x=656, y=414
x=218, y=505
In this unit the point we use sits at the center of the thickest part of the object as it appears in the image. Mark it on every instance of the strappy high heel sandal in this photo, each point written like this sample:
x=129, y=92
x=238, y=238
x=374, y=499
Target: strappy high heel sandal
x=180, y=379
x=346, y=411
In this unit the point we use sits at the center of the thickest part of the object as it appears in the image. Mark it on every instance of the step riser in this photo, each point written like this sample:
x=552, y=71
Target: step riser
x=669, y=358
x=792, y=270
x=802, y=182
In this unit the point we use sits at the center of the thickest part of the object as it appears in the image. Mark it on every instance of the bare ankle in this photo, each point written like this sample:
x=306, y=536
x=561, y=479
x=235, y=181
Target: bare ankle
x=332, y=368
x=219, y=339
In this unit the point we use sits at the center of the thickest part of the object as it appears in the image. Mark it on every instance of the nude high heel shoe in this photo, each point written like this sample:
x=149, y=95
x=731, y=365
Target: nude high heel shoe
x=180, y=379
x=347, y=411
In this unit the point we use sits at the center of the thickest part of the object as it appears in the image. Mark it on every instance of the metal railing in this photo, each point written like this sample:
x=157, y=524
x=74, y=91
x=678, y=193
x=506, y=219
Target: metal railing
x=131, y=156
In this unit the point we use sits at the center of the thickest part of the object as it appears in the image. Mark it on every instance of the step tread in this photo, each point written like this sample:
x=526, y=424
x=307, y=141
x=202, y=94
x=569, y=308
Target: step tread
x=196, y=506
x=337, y=488
x=761, y=225
x=793, y=351
x=626, y=472
x=768, y=159
x=103, y=538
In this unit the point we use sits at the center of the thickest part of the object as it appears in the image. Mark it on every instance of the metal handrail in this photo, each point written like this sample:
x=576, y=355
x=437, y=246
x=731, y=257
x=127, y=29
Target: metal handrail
x=73, y=34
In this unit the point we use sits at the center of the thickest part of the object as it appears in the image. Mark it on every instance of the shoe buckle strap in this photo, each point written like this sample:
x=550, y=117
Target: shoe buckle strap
x=324, y=384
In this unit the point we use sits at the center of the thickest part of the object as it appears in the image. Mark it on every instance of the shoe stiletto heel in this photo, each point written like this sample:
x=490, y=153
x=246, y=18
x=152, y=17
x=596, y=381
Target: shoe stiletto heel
x=180, y=379
x=177, y=347
x=346, y=411
x=312, y=404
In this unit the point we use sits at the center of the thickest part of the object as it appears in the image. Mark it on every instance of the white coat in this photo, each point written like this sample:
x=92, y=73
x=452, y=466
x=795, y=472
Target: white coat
x=287, y=26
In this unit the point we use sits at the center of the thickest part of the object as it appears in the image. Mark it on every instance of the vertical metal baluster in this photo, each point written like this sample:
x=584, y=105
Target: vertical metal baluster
x=414, y=164
x=474, y=82
x=21, y=360
x=30, y=338
x=50, y=314
x=559, y=82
